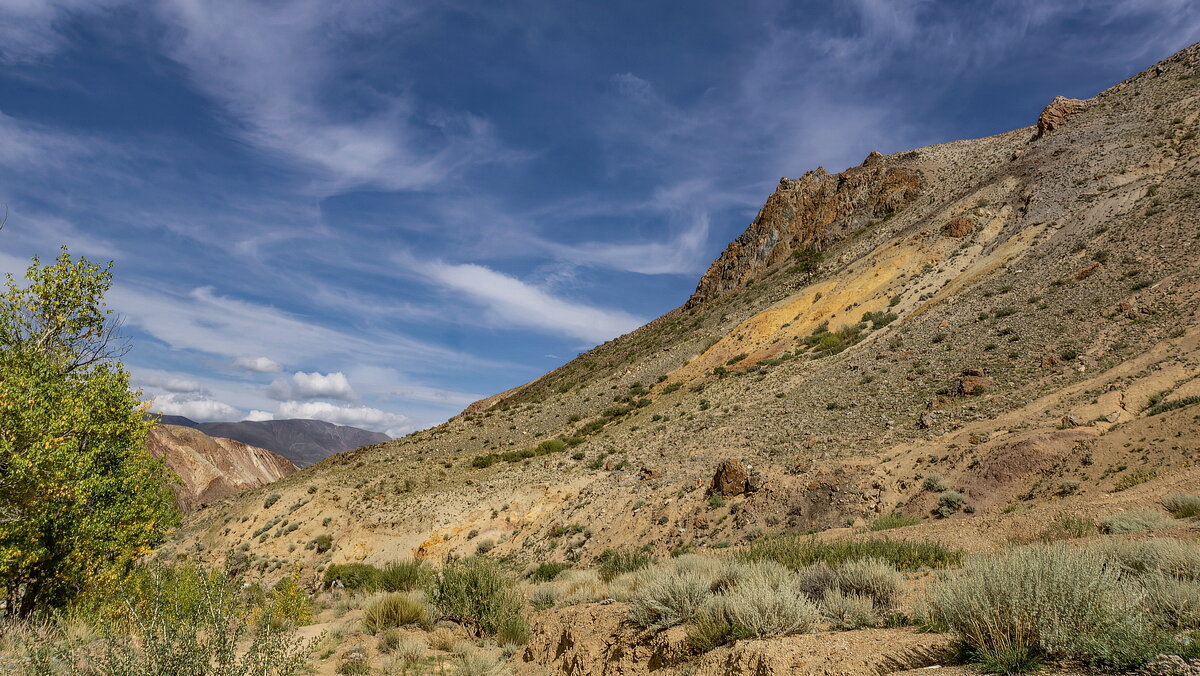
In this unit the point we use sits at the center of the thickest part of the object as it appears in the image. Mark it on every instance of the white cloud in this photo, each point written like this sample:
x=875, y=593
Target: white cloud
x=194, y=406
x=259, y=416
x=312, y=386
x=391, y=424
x=205, y=321
x=511, y=302
x=258, y=364
x=170, y=383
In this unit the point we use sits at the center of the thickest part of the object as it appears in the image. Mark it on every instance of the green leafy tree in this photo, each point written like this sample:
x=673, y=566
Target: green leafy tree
x=80, y=494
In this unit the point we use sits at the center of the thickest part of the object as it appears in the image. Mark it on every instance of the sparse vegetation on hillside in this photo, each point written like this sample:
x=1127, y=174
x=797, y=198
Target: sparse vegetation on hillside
x=798, y=552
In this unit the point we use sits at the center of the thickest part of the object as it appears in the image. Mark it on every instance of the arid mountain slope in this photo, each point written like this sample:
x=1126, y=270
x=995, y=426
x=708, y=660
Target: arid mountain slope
x=1003, y=312
x=212, y=467
x=301, y=441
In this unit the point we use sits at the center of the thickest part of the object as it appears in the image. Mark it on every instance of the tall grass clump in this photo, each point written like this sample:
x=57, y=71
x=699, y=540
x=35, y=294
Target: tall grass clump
x=1015, y=610
x=1068, y=527
x=475, y=592
x=667, y=597
x=1135, y=521
x=401, y=576
x=798, y=552
x=616, y=562
x=396, y=609
x=1182, y=505
x=896, y=520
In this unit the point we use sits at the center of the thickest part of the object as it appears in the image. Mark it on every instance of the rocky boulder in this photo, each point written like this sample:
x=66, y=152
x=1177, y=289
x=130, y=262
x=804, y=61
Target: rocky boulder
x=731, y=478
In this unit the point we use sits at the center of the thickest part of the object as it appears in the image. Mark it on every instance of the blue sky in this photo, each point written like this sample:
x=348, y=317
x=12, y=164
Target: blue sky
x=374, y=213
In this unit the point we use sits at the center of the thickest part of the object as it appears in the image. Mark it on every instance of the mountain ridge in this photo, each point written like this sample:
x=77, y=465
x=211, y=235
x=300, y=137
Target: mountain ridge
x=1020, y=328
x=302, y=441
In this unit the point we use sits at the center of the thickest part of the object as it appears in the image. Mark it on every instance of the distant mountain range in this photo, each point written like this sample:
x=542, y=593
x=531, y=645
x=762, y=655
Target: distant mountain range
x=301, y=441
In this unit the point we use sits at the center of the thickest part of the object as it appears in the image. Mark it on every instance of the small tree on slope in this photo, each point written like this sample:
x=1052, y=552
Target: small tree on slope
x=80, y=494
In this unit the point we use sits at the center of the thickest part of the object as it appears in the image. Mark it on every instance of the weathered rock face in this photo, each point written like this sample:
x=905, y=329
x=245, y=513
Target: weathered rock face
x=731, y=479
x=213, y=467
x=815, y=210
x=1057, y=113
x=959, y=227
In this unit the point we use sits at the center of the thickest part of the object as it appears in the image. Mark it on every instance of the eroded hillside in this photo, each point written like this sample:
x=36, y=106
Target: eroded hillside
x=1008, y=313
x=212, y=468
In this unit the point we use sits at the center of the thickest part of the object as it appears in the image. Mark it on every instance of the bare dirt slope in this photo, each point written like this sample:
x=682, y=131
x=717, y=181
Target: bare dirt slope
x=1013, y=317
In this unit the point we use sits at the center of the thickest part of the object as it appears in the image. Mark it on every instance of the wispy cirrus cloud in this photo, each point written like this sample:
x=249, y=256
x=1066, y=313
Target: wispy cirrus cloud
x=509, y=302
x=273, y=76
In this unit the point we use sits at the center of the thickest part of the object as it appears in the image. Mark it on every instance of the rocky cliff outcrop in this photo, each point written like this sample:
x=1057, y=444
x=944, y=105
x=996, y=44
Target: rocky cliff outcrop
x=1057, y=113
x=213, y=467
x=816, y=210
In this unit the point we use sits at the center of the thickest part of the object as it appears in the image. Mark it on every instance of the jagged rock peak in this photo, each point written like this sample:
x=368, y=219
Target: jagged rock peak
x=817, y=209
x=1055, y=115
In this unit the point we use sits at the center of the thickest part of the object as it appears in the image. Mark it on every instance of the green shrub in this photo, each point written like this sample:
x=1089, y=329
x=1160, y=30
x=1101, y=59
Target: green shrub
x=934, y=483
x=188, y=621
x=1046, y=602
x=615, y=562
x=798, y=552
x=894, y=520
x=287, y=605
x=547, y=571
x=323, y=543
x=1135, y=521
x=545, y=448
x=395, y=610
x=270, y=500
x=1165, y=406
x=355, y=576
x=666, y=598
x=1182, y=505
x=949, y=503
x=1134, y=478
x=476, y=592
x=389, y=641
x=807, y=259
x=404, y=575
x=353, y=667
